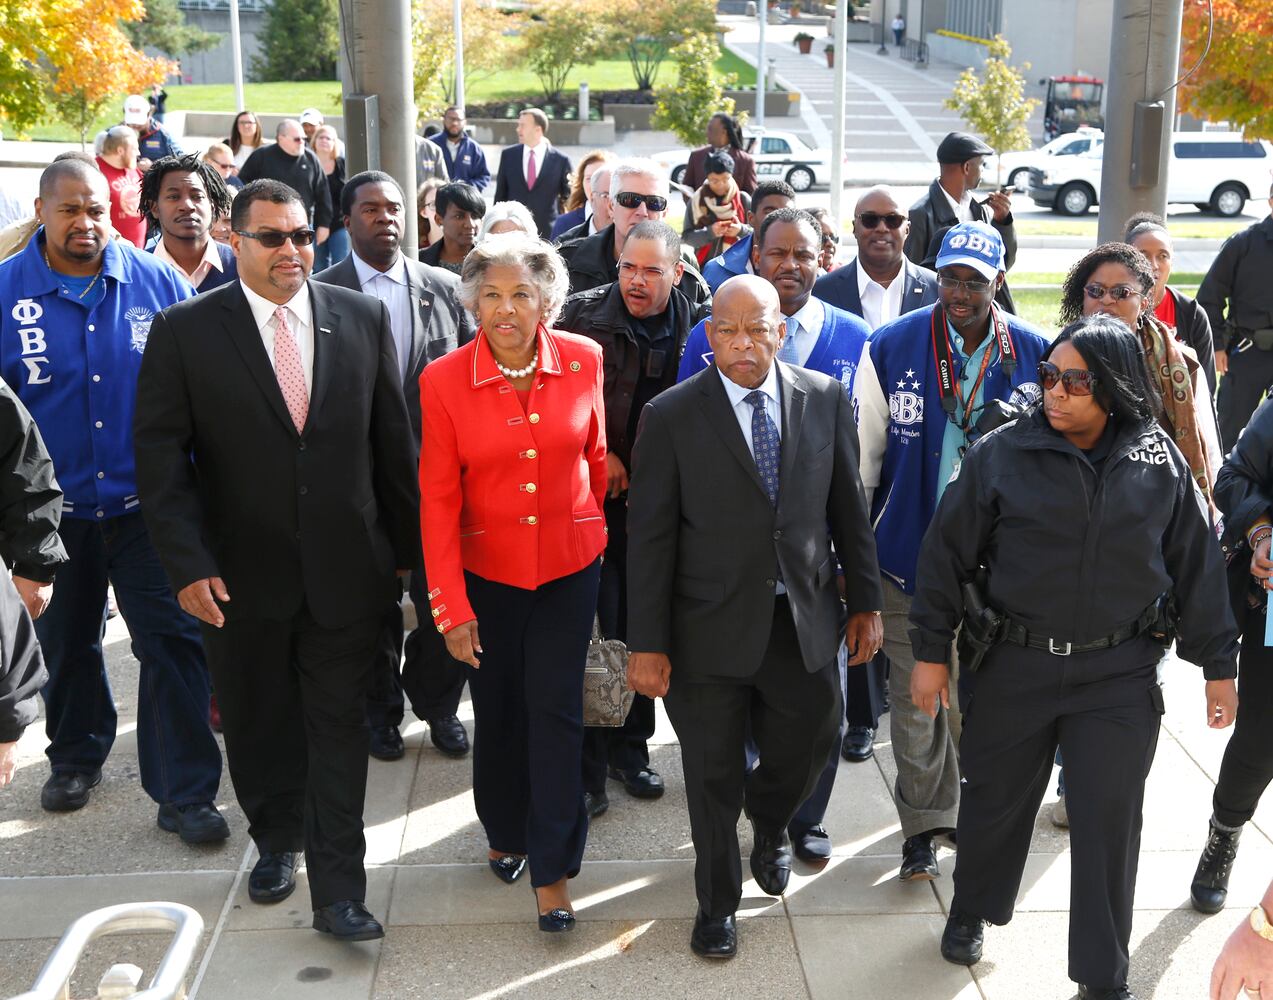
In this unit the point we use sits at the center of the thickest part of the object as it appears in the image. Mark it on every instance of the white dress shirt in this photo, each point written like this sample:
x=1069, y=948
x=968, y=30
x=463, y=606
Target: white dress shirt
x=961, y=208
x=391, y=288
x=743, y=409
x=809, y=319
x=300, y=317
x=879, y=303
x=540, y=152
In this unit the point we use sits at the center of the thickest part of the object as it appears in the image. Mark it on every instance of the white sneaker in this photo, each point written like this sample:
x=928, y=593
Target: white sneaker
x=1060, y=816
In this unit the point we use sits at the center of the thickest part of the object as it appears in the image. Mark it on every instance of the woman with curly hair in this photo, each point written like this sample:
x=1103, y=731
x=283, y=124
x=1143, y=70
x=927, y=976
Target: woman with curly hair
x=1117, y=279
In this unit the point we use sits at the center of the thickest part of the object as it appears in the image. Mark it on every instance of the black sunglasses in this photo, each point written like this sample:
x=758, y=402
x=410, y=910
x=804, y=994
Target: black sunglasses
x=870, y=220
x=1077, y=381
x=272, y=240
x=630, y=199
x=1118, y=293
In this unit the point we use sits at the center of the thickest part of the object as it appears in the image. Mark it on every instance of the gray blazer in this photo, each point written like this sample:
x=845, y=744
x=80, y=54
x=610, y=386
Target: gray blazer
x=705, y=546
x=840, y=287
x=439, y=324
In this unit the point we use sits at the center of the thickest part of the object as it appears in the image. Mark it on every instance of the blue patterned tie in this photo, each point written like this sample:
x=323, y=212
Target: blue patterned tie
x=766, y=448
x=787, y=352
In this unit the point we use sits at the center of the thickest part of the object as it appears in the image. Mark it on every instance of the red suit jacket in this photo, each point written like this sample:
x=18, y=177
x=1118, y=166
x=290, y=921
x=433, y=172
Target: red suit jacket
x=512, y=495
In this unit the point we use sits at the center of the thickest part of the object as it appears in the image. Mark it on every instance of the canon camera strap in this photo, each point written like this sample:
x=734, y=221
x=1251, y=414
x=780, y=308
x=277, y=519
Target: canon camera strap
x=944, y=362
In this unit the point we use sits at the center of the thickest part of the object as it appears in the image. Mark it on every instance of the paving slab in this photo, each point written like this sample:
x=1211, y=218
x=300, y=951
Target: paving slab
x=636, y=960
x=287, y=964
x=22, y=960
x=890, y=957
x=295, y=912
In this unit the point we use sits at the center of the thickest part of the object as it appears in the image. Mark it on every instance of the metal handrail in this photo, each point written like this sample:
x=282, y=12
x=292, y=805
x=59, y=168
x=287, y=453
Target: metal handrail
x=168, y=982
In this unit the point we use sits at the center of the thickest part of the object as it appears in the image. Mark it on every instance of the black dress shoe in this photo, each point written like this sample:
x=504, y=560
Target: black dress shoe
x=1210, y=887
x=962, y=939
x=509, y=868
x=770, y=861
x=386, y=743
x=858, y=745
x=448, y=735
x=66, y=791
x=919, y=860
x=596, y=803
x=348, y=920
x=197, y=824
x=273, y=878
x=714, y=938
x=1120, y=993
x=813, y=845
x=640, y=783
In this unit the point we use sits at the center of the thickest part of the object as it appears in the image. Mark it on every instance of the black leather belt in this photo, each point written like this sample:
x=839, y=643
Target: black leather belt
x=1021, y=636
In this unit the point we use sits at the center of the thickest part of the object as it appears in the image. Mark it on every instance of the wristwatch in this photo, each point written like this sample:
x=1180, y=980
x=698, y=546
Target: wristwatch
x=1260, y=923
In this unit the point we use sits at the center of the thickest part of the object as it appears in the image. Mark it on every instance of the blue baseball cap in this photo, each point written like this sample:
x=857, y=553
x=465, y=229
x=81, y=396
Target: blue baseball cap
x=976, y=244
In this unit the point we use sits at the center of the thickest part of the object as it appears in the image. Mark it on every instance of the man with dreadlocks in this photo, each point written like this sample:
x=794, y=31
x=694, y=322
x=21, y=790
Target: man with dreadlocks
x=181, y=196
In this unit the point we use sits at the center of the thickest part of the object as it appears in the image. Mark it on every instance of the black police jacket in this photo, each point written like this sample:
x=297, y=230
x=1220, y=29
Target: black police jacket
x=1244, y=493
x=30, y=499
x=1236, y=291
x=1073, y=553
x=600, y=313
x=22, y=672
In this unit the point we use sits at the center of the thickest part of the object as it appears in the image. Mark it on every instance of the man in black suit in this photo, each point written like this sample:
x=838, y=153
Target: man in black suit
x=534, y=173
x=881, y=284
x=427, y=321
x=275, y=468
x=733, y=609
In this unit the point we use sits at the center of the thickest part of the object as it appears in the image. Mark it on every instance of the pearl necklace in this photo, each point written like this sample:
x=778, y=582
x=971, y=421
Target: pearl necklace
x=512, y=373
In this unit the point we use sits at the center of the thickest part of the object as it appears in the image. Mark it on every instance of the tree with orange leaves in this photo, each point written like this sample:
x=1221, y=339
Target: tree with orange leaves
x=1235, y=81
x=71, y=57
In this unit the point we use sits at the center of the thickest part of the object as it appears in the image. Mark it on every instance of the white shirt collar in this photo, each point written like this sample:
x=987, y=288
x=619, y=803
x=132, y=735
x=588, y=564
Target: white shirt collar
x=961, y=208
x=263, y=309
x=210, y=256
x=366, y=273
x=539, y=149
x=738, y=394
x=811, y=316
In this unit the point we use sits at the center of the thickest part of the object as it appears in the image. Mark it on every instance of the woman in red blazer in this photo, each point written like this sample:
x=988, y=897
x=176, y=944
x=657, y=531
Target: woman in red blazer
x=512, y=483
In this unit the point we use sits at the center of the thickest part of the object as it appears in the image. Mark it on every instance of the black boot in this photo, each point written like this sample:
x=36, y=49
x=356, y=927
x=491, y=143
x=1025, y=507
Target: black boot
x=1211, y=881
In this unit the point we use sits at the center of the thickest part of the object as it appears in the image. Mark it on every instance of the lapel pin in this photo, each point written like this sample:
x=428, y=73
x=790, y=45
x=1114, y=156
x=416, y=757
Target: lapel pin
x=575, y=366
x=323, y=329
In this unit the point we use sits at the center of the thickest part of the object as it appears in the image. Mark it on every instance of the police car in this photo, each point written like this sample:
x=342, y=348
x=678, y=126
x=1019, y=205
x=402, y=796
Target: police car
x=778, y=155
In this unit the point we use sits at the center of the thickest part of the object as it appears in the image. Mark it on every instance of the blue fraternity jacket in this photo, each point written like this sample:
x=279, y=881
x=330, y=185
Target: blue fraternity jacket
x=906, y=497
x=837, y=353
x=733, y=261
x=76, y=369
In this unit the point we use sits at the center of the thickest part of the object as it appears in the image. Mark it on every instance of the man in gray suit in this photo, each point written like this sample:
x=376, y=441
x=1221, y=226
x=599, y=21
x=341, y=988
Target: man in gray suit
x=428, y=322
x=734, y=612
x=881, y=284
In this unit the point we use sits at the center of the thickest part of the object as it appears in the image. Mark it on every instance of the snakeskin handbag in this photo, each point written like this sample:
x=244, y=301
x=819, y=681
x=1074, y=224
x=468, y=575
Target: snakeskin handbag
x=606, y=697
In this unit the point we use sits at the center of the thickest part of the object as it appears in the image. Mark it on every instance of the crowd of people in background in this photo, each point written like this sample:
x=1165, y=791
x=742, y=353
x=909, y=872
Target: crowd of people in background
x=803, y=495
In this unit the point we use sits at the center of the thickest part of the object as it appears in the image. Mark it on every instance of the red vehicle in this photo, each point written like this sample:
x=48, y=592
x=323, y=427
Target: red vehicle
x=1071, y=102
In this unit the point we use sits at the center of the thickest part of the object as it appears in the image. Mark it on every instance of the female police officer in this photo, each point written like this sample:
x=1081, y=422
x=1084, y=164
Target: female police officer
x=1082, y=513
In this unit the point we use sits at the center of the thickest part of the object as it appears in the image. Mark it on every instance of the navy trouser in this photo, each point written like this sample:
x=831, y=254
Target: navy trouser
x=178, y=756
x=1103, y=711
x=528, y=718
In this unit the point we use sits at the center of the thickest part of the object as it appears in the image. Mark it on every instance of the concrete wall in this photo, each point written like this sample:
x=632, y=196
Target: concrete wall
x=217, y=65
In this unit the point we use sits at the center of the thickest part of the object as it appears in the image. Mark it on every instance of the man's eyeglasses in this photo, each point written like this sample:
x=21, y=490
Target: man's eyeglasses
x=954, y=285
x=272, y=240
x=630, y=199
x=1077, y=381
x=870, y=220
x=1118, y=293
x=221, y=166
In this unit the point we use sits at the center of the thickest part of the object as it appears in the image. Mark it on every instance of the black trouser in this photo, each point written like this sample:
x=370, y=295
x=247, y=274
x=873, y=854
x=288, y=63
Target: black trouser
x=625, y=747
x=1241, y=389
x=865, y=692
x=293, y=711
x=430, y=678
x=528, y=718
x=794, y=717
x=1247, y=767
x=1103, y=710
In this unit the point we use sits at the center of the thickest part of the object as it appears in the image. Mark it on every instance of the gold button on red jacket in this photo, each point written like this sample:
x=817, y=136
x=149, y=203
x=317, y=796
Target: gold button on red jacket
x=513, y=495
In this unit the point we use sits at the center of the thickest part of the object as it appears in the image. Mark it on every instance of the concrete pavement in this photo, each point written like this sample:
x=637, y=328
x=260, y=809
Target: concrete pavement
x=456, y=933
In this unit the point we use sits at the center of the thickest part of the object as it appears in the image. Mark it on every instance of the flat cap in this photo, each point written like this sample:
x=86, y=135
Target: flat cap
x=960, y=147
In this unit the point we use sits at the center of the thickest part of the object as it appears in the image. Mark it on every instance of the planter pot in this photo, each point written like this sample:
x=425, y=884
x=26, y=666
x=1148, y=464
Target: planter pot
x=830, y=53
x=805, y=44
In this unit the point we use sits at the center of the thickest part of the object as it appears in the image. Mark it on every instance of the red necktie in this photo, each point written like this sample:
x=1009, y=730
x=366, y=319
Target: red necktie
x=530, y=171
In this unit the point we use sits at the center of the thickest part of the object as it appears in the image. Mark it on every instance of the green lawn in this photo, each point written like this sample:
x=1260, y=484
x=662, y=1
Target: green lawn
x=1182, y=227
x=1178, y=278
x=1039, y=305
x=274, y=98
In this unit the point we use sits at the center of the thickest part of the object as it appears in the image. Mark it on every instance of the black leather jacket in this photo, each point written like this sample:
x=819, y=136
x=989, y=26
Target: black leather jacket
x=591, y=263
x=933, y=212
